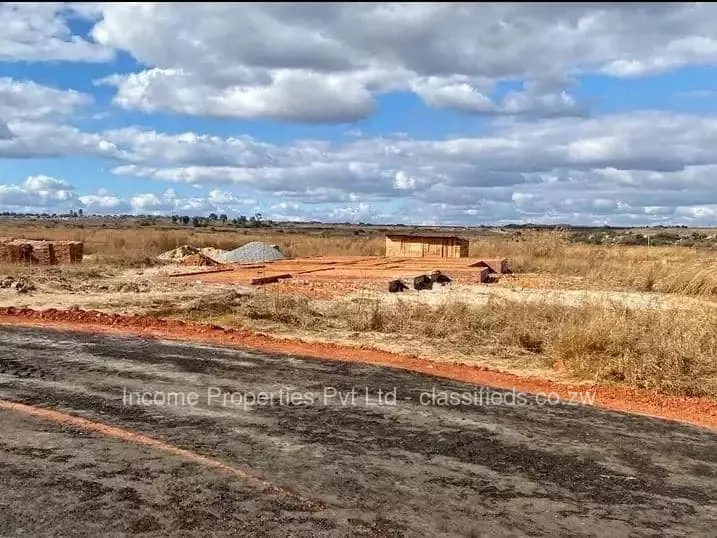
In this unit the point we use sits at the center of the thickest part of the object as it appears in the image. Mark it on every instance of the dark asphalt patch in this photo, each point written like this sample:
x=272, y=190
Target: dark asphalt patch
x=404, y=469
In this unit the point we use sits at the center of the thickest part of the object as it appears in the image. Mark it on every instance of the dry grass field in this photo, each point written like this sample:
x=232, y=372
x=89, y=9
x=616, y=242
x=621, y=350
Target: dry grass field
x=681, y=270
x=673, y=351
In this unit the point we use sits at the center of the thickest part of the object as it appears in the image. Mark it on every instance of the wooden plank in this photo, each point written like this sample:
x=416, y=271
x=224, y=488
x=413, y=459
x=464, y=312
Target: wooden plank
x=388, y=262
x=362, y=259
x=269, y=279
x=239, y=266
x=193, y=273
x=315, y=270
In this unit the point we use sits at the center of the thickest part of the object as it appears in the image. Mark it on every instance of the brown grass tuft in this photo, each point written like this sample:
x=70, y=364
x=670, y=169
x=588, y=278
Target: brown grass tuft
x=670, y=351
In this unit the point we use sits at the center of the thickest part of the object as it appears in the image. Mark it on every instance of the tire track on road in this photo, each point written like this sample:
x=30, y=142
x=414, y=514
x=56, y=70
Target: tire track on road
x=130, y=436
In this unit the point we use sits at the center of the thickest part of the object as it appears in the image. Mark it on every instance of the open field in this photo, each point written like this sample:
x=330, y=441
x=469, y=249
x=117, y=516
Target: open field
x=636, y=315
x=630, y=331
x=550, y=256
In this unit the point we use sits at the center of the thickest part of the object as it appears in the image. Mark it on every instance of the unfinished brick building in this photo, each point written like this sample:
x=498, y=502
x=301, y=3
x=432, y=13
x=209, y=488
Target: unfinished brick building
x=429, y=245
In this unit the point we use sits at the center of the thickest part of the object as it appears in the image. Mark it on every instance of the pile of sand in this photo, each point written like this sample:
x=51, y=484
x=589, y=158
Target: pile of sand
x=198, y=260
x=197, y=256
x=178, y=253
x=213, y=253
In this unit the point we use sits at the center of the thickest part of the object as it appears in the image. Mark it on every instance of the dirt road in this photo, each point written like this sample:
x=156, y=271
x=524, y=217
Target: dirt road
x=184, y=439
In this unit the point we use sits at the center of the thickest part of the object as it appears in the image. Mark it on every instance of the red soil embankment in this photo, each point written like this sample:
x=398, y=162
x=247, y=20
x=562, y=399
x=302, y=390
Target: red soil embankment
x=695, y=410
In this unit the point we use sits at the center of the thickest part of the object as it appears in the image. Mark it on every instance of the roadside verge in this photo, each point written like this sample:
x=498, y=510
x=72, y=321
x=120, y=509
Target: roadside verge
x=694, y=410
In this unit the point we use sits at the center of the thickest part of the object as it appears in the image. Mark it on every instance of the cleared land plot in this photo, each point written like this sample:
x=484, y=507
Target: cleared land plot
x=363, y=268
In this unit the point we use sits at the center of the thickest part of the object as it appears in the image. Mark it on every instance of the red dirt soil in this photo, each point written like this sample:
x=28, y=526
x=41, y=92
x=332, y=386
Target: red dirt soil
x=345, y=272
x=324, y=289
x=198, y=260
x=695, y=410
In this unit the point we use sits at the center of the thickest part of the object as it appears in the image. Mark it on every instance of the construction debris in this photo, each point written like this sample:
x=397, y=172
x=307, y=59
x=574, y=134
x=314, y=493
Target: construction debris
x=498, y=265
x=485, y=275
x=254, y=252
x=395, y=286
x=269, y=279
x=422, y=282
x=21, y=285
x=440, y=278
x=133, y=287
x=371, y=270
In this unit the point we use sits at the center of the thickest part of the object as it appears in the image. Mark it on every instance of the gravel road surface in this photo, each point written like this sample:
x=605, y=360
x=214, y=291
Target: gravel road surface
x=351, y=450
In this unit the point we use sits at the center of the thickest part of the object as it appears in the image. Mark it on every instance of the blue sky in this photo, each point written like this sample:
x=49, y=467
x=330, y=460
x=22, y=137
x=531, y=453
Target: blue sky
x=422, y=113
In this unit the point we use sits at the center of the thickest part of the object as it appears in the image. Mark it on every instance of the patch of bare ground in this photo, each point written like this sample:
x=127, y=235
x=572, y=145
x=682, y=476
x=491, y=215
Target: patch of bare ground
x=480, y=295
x=108, y=288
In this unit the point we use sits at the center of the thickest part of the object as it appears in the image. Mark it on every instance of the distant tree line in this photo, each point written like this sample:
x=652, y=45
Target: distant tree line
x=70, y=214
x=255, y=221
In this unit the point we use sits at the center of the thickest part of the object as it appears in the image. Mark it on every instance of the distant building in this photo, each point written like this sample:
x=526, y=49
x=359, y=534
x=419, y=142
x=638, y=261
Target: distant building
x=429, y=245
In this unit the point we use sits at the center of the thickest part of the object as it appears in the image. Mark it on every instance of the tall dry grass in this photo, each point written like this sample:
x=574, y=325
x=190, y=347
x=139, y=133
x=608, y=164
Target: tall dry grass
x=138, y=244
x=675, y=269
x=672, y=351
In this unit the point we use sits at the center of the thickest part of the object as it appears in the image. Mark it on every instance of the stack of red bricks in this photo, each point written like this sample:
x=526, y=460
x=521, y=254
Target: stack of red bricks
x=9, y=252
x=40, y=252
x=68, y=251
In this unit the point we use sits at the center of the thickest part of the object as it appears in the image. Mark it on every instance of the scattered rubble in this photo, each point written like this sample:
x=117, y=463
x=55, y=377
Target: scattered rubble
x=422, y=282
x=253, y=252
x=439, y=277
x=269, y=279
x=133, y=287
x=395, y=286
x=21, y=285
